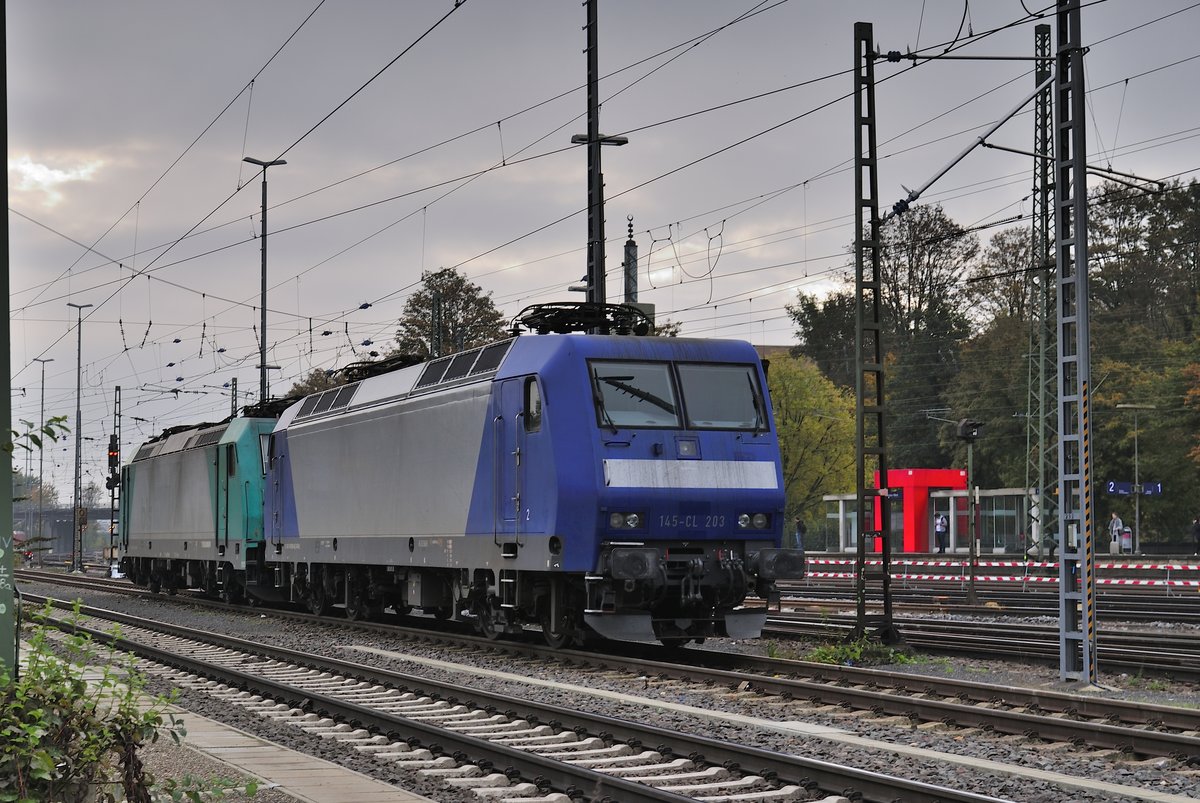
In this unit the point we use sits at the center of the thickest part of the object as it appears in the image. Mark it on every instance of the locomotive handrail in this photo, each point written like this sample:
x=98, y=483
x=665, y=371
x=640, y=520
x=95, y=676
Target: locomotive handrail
x=497, y=431
x=518, y=430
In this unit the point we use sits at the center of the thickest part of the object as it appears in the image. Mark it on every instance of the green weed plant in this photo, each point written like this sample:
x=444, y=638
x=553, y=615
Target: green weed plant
x=73, y=721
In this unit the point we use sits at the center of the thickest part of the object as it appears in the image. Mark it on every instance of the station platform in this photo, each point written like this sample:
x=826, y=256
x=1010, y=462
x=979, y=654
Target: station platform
x=302, y=777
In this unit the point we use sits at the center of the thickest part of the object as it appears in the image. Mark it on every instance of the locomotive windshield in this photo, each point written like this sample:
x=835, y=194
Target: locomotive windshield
x=634, y=394
x=642, y=394
x=721, y=396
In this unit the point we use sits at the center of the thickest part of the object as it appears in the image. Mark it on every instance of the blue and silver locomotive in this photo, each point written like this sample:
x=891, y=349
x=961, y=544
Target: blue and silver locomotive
x=626, y=486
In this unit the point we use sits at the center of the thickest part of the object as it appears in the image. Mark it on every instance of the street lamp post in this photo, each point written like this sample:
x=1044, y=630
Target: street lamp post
x=77, y=534
x=1137, y=480
x=42, y=456
x=262, y=333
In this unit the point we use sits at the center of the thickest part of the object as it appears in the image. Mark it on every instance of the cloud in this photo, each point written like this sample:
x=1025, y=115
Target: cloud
x=47, y=180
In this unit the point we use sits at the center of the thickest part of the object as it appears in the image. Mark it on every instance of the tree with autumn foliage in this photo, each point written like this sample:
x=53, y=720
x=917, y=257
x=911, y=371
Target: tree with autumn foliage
x=468, y=316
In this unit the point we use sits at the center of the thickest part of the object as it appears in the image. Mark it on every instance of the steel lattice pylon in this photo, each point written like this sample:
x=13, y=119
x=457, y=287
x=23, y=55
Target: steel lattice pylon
x=1076, y=517
x=1040, y=416
x=870, y=445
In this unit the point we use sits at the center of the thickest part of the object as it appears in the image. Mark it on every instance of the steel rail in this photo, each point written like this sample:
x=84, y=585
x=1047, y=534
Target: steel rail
x=1139, y=652
x=776, y=676
x=870, y=785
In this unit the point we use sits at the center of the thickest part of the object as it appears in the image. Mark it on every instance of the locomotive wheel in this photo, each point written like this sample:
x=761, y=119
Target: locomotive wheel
x=154, y=584
x=673, y=643
x=557, y=637
x=318, y=602
x=231, y=592
x=567, y=631
x=359, y=605
x=357, y=608
x=490, y=622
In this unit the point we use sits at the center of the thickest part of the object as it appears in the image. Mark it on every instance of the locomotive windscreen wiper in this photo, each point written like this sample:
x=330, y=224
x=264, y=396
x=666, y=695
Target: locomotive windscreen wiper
x=621, y=383
x=598, y=397
x=760, y=423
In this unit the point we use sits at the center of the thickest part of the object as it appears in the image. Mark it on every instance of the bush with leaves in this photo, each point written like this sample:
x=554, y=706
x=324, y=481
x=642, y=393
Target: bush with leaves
x=72, y=723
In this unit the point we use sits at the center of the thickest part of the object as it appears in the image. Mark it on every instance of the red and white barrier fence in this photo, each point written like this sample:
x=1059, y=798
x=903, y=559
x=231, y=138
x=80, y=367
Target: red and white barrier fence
x=900, y=572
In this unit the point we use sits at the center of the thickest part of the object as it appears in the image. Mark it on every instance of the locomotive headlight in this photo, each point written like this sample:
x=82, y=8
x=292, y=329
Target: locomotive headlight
x=757, y=521
x=625, y=521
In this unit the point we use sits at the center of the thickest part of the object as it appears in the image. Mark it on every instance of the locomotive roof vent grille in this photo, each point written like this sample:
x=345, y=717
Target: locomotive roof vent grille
x=309, y=404
x=345, y=394
x=491, y=357
x=461, y=365
x=144, y=452
x=473, y=364
x=333, y=399
x=209, y=438
x=433, y=372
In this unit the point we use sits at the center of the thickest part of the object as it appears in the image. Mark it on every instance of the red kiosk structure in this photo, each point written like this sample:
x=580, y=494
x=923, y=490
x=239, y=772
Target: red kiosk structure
x=914, y=485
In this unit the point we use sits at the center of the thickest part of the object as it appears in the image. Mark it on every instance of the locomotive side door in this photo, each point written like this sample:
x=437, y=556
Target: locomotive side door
x=518, y=422
x=506, y=437
x=226, y=466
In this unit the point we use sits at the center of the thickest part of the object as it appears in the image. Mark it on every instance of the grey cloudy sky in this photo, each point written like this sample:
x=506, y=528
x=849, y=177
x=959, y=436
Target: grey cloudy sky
x=127, y=123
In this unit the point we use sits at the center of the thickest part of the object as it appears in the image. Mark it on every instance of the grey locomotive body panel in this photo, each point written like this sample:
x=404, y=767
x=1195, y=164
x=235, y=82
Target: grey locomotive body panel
x=373, y=478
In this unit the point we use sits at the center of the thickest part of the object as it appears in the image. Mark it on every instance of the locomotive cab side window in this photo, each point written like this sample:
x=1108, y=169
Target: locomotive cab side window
x=634, y=394
x=533, y=406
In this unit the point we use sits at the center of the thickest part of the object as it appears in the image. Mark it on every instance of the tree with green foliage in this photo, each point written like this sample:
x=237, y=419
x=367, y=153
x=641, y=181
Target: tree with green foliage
x=1000, y=282
x=1190, y=379
x=825, y=328
x=1145, y=248
x=924, y=259
x=815, y=422
x=992, y=387
x=468, y=316
x=958, y=334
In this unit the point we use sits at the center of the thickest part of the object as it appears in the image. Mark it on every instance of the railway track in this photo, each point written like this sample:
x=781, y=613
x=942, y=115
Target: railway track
x=1135, y=652
x=1126, y=607
x=476, y=739
x=1136, y=729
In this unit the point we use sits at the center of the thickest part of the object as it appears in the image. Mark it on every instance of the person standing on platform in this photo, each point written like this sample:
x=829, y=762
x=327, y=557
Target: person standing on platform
x=798, y=534
x=1196, y=536
x=941, y=531
x=1115, y=525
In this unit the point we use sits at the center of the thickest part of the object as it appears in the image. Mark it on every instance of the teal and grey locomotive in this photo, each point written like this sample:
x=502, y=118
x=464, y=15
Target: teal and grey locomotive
x=627, y=486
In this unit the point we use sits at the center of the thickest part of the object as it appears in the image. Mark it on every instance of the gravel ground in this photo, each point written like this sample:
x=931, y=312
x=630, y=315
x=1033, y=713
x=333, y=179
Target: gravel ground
x=1159, y=776
x=165, y=759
